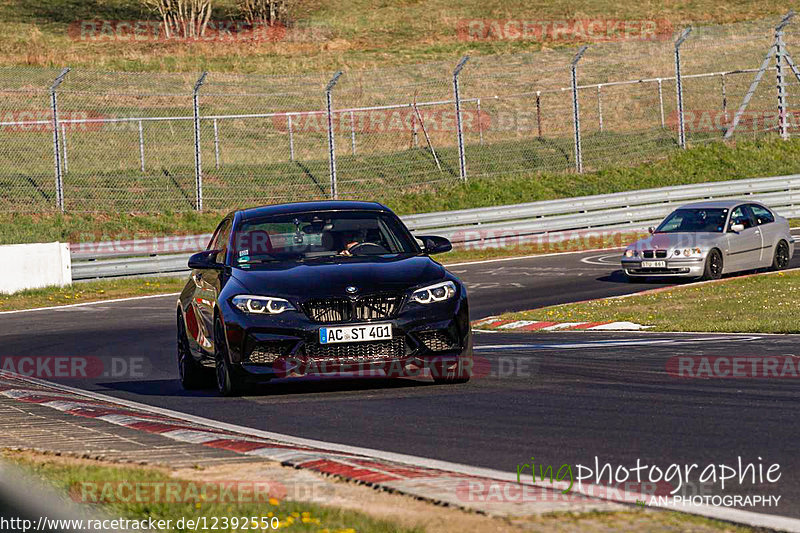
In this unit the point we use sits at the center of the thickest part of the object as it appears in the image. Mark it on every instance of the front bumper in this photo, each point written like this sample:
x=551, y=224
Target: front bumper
x=683, y=267
x=435, y=337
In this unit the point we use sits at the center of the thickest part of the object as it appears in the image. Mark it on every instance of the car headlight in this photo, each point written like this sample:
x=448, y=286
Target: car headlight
x=434, y=293
x=631, y=253
x=689, y=252
x=263, y=305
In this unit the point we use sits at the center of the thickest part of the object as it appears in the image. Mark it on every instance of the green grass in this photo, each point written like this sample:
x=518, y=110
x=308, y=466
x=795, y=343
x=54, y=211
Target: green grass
x=754, y=304
x=294, y=516
x=351, y=33
x=705, y=163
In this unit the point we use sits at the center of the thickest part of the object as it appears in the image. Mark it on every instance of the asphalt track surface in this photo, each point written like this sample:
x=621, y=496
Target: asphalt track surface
x=560, y=397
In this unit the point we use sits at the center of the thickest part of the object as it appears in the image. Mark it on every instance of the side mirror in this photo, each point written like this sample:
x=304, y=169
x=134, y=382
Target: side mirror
x=205, y=260
x=435, y=245
x=736, y=228
x=651, y=230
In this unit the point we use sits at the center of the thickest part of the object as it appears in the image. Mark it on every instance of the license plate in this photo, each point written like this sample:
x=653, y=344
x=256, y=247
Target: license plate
x=654, y=264
x=372, y=332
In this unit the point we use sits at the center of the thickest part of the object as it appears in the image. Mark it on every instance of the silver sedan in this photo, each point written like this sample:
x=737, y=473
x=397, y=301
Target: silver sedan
x=708, y=239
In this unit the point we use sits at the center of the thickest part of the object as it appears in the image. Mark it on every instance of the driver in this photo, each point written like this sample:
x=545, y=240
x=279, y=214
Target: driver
x=353, y=239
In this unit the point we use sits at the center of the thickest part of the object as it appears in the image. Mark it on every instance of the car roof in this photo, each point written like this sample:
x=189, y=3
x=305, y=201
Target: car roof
x=305, y=207
x=717, y=204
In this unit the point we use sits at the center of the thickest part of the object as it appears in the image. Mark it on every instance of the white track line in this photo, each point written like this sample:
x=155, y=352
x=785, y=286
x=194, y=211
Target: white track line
x=84, y=304
x=738, y=516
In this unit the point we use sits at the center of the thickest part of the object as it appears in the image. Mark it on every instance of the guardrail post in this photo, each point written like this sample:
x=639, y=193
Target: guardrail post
x=576, y=114
x=679, y=86
x=198, y=161
x=462, y=163
x=56, y=141
x=331, y=140
x=780, y=56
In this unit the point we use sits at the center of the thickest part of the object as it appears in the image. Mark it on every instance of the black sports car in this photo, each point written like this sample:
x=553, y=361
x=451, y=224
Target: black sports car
x=320, y=288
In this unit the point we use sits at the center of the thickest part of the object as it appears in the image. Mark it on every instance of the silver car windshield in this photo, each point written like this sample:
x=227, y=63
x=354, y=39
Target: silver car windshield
x=694, y=220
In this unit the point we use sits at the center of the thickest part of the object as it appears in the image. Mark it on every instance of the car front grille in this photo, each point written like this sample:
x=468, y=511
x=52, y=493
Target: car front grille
x=362, y=309
x=650, y=254
x=357, y=351
x=267, y=352
x=437, y=341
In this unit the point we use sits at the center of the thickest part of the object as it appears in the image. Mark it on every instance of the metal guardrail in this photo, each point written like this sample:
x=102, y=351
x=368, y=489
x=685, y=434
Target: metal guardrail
x=555, y=219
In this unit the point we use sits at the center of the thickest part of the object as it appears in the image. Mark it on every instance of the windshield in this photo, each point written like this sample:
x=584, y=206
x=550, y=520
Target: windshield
x=305, y=236
x=694, y=220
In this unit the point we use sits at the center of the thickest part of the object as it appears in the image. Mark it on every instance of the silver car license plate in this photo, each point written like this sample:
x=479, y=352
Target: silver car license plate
x=654, y=264
x=371, y=332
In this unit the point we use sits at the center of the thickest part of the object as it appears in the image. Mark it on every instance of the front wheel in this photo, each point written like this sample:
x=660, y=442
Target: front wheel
x=713, y=269
x=781, y=259
x=227, y=384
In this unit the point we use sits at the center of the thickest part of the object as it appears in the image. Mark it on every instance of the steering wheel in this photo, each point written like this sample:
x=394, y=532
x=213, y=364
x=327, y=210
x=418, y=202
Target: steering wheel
x=374, y=249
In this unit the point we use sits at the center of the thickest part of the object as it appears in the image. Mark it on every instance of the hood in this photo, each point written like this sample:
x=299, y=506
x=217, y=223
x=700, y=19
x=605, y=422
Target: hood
x=670, y=241
x=322, y=279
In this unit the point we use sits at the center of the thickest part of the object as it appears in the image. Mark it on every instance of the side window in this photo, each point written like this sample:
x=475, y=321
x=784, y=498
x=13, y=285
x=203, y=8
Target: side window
x=741, y=216
x=220, y=239
x=762, y=214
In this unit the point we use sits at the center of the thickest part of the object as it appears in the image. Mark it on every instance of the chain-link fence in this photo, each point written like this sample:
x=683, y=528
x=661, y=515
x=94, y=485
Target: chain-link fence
x=83, y=141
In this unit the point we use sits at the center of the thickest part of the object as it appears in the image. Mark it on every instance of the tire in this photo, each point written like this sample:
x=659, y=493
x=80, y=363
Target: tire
x=227, y=384
x=192, y=374
x=714, y=265
x=781, y=258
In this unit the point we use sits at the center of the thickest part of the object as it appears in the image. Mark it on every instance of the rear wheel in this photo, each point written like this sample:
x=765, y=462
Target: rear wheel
x=713, y=269
x=227, y=384
x=781, y=258
x=192, y=374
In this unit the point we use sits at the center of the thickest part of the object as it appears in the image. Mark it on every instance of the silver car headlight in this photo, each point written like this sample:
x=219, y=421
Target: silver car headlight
x=434, y=293
x=689, y=252
x=261, y=305
x=631, y=253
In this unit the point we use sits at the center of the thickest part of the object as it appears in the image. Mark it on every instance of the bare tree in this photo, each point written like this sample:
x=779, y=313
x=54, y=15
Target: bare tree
x=265, y=11
x=182, y=18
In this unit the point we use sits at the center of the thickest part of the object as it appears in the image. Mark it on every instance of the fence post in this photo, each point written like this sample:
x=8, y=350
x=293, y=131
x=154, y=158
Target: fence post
x=780, y=56
x=141, y=146
x=291, y=138
x=64, y=147
x=353, y=132
x=724, y=97
x=198, y=162
x=600, y=105
x=331, y=140
x=480, y=125
x=679, y=86
x=462, y=163
x=539, y=113
x=576, y=114
x=661, y=101
x=56, y=141
x=216, y=143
